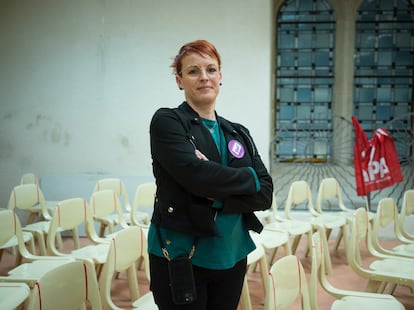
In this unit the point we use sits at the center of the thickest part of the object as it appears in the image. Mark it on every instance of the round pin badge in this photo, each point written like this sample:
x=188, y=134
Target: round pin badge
x=236, y=148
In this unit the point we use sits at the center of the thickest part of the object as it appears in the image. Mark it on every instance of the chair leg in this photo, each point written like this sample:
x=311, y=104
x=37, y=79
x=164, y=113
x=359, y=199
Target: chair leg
x=245, y=301
x=295, y=243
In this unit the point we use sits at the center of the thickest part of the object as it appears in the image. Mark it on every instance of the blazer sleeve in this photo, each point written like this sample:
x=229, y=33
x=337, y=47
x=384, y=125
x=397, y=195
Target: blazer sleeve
x=261, y=200
x=173, y=150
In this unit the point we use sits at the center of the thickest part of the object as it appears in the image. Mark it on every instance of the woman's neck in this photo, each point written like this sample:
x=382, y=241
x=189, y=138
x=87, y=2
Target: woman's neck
x=204, y=110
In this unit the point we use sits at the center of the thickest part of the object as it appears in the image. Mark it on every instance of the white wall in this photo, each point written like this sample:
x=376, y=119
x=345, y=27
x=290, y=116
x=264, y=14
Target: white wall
x=80, y=80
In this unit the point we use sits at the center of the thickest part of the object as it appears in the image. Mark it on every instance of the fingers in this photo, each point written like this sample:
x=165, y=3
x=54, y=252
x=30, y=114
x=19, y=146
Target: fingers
x=200, y=155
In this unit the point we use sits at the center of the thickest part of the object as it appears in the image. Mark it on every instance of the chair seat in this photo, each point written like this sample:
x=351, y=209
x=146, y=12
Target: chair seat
x=293, y=227
x=13, y=294
x=328, y=221
x=36, y=269
x=362, y=303
x=404, y=268
x=97, y=253
x=273, y=238
x=145, y=302
x=406, y=249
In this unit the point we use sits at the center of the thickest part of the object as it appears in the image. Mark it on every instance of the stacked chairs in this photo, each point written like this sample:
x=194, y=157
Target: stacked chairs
x=345, y=299
x=383, y=270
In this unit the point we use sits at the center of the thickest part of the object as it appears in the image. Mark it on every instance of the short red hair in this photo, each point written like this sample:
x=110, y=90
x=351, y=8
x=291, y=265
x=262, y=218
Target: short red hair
x=201, y=47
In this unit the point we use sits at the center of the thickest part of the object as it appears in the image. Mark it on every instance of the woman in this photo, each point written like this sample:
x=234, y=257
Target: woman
x=209, y=179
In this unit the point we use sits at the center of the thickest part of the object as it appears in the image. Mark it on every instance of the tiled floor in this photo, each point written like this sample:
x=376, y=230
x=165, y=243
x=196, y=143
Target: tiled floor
x=343, y=277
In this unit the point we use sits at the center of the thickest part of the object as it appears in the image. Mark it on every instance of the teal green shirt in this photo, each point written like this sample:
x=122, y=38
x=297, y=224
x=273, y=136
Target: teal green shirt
x=222, y=252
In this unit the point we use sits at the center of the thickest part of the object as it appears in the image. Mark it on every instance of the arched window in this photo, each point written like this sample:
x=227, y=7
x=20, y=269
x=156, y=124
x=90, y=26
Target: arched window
x=304, y=81
x=383, y=78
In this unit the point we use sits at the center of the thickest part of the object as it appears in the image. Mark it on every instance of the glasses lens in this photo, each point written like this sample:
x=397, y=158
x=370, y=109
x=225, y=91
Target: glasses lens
x=195, y=71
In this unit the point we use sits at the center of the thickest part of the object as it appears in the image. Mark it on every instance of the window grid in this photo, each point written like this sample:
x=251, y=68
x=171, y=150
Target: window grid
x=384, y=58
x=305, y=41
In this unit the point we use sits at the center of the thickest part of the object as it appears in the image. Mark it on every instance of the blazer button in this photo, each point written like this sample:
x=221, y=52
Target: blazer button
x=170, y=209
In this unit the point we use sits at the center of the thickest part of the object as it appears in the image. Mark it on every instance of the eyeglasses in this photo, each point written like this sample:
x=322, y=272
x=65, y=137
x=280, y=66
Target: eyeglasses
x=195, y=71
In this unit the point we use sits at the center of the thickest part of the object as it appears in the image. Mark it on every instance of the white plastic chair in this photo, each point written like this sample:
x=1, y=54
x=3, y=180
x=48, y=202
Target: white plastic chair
x=66, y=287
x=287, y=282
x=257, y=256
x=13, y=294
x=31, y=178
x=25, y=197
x=395, y=271
x=407, y=209
x=10, y=237
x=69, y=215
x=126, y=248
x=295, y=228
x=345, y=299
x=144, y=199
x=386, y=216
x=118, y=186
x=107, y=210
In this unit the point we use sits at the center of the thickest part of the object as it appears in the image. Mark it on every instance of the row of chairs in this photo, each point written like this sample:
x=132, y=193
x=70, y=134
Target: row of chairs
x=101, y=250
x=44, y=282
x=28, y=197
x=286, y=280
x=278, y=230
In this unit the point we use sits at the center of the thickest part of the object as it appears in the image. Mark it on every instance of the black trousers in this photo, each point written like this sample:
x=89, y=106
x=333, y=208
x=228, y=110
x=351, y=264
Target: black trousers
x=216, y=289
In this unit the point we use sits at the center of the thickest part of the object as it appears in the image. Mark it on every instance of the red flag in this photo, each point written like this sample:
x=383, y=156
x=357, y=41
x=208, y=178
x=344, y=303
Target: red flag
x=376, y=162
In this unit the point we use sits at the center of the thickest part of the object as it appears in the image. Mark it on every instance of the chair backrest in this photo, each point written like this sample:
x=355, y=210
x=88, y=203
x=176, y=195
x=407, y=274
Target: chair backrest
x=144, y=199
x=386, y=216
x=29, y=178
x=10, y=227
x=27, y=196
x=66, y=287
x=68, y=215
x=360, y=232
x=126, y=248
x=299, y=193
x=329, y=190
x=407, y=208
x=319, y=267
x=118, y=186
x=105, y=202
x=286, y=282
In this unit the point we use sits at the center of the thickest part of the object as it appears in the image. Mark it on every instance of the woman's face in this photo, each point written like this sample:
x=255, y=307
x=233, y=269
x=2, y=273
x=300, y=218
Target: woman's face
x=200, y=78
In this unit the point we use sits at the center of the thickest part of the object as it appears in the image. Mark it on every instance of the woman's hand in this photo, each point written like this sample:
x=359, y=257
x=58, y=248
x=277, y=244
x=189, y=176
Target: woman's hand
x=200, y=155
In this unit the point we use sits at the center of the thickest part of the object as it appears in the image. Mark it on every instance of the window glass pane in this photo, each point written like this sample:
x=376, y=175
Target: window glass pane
x=384, y=95
x=304, y=94
x=383, y=112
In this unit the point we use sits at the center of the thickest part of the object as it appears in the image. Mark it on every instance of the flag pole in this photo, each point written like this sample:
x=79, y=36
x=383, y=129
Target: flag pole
x=368, y=202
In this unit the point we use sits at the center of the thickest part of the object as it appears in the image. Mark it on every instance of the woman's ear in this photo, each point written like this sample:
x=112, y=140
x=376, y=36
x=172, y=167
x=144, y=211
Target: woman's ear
x=178, y=81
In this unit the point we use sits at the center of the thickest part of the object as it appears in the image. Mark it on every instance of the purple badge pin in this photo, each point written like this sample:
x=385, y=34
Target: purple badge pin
x=236, y=148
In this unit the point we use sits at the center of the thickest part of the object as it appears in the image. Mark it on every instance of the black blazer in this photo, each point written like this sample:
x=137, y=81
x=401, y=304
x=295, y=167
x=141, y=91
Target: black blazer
x=185, y=183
